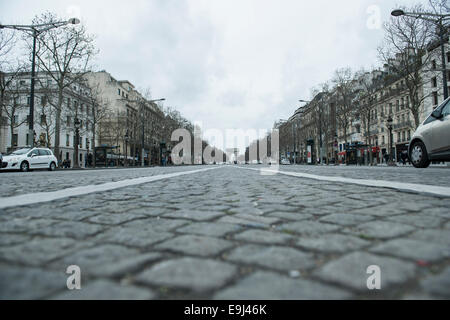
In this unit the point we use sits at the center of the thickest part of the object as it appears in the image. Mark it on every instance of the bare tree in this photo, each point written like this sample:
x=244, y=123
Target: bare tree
x=14, y=107
x=99, y=110
x=64, y=54
x=404, y=50
x=47, y=120
x=345, y=94
x=366, y=100
x=7, y=42
x=8, y=72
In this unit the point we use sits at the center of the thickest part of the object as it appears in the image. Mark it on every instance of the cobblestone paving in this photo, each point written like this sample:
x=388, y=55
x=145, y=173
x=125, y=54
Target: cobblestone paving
x=228, y=233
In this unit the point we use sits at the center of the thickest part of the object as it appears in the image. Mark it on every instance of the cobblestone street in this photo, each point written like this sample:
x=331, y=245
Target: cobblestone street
x=226, y=233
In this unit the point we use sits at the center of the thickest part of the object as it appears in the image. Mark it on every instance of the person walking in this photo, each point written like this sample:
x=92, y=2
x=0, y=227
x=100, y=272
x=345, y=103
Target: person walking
x=404, y=156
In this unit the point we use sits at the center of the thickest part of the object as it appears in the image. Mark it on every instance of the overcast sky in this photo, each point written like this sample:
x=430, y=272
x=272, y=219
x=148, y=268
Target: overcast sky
x=226, y=63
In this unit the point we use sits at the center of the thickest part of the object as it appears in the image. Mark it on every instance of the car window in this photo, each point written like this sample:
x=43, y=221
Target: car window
x=20, y=151
x=446, y=109
x=35, y=152
x=43, y=152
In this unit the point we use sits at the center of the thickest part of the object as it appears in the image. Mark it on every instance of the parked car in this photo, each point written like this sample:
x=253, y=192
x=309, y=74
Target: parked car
x=285, y=162
x=431, y=141
x=29, y=159
x=1, y=160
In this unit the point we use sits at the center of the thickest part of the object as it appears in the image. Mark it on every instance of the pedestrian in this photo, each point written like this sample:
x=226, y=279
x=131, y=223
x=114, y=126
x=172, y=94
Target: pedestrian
x=404, y=156
x=386, y=158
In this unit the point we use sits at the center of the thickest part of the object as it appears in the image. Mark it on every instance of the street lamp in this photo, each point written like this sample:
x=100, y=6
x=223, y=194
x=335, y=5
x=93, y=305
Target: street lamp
x=36, y=30
x=389, y=125
x=77, y=124
x=439, y=21
x=127, y=138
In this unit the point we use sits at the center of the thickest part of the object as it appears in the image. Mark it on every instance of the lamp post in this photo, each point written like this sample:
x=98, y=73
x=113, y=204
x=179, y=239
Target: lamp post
x=35, y=31
x=336, y=149
x=389, y=125
x=126, y=138
x=77, y=124
x=439, y=20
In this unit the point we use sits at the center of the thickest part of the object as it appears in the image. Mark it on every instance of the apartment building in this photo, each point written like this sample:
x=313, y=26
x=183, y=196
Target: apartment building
x=134, y=125
x=14, y=132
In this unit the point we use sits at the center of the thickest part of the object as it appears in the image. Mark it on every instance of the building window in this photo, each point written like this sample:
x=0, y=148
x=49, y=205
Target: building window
x=403, y=136
x=434, y=82
x=43, y=119
x=433, y=65
x=409, y=135
x=68, y=121
x=119, y=91
x=448, y=56
x=15, y=120
x=15, y=139
x=67, y=140
x=383, y=139
x=435, y=98
x=43, y=101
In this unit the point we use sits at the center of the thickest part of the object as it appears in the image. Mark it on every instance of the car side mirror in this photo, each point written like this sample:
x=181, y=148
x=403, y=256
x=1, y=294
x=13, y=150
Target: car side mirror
x=437, y=114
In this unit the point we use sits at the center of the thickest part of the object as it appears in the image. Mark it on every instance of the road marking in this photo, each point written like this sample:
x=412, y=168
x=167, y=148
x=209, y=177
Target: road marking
x=33, y=198
x=400, y=186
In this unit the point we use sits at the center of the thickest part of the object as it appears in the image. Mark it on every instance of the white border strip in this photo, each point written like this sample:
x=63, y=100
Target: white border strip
x=408, y=187
x=40, y=197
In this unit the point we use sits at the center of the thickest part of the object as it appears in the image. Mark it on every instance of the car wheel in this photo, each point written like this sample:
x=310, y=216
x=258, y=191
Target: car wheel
x=52, y=167
x=24, y=166
x=419, y=155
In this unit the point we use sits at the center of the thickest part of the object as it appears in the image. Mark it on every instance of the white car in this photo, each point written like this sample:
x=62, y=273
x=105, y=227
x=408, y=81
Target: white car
x=29, y=159
x=431, y=141
x=285, y=162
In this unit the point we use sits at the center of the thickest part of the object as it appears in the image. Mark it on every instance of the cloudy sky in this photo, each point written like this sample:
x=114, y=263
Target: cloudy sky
x=236, y=64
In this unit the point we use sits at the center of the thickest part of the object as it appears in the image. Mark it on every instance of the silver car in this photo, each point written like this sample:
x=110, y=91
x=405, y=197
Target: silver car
x=431, y=141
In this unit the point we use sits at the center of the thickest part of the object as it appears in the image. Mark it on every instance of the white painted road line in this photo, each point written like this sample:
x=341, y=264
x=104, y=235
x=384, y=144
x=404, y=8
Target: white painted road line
x=400, y=186
x=40, y=197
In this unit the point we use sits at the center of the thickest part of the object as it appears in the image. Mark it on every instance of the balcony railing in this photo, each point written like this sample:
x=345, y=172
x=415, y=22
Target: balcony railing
x=403, y=124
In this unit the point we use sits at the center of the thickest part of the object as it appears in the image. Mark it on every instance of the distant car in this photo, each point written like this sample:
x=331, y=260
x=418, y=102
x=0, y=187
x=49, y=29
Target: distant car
x=431, y=141
x=30, y=159
x=1, y=160
x=285, y=162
